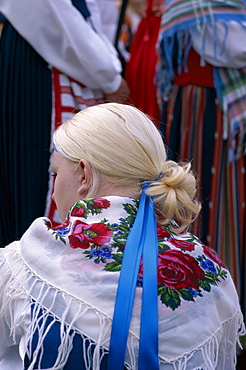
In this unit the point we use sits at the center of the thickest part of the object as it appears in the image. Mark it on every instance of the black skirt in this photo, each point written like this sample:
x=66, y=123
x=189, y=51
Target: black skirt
x=25, y=121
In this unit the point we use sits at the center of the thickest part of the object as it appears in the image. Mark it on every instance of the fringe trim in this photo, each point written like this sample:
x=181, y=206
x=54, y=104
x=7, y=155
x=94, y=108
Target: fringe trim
x=180, y=41
x=219, y=352
x=18, y=282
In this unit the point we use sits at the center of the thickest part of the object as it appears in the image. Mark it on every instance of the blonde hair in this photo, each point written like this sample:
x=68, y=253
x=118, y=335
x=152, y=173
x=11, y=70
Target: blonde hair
x=123, y=145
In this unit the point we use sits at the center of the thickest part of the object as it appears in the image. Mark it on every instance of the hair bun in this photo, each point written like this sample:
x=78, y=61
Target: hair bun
x=174, y=190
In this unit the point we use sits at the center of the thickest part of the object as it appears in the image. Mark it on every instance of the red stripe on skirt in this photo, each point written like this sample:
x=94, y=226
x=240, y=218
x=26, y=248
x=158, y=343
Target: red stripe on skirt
x=227, y=198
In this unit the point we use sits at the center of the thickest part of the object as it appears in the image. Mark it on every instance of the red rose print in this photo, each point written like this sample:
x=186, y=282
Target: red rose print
x=63, y=225
x=178, y=270
x=162, y=232
x=83, y=234
x=182, y=244
x=78, y=211
x=100, y=203
x=210, y=253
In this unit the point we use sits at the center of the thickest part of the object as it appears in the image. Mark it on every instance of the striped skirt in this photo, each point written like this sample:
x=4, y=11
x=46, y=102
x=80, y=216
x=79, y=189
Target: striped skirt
x=25, y=121
x=193, y=132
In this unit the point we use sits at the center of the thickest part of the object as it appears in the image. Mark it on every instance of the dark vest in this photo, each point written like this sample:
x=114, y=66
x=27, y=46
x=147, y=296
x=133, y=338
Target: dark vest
x=82, y=7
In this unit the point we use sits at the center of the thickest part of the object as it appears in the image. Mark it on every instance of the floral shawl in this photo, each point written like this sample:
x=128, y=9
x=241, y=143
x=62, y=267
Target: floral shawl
x=180, y=18
x=71, y=272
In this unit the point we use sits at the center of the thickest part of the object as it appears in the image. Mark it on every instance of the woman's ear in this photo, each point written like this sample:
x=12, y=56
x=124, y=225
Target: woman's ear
x=85, y=176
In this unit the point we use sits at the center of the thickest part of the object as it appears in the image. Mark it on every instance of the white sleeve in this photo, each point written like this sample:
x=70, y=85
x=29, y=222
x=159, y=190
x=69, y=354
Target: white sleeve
x=60, y=34
x=225, y=46
x=9, y=348
x=4, y=347
x=109, y=16
x=12, y=360
x=12, y=348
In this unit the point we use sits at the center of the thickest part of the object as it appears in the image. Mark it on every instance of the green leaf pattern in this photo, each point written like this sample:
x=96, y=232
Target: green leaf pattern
x=183, y=274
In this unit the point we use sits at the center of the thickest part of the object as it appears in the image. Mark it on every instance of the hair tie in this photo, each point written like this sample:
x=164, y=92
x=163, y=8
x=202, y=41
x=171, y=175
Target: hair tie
x=56, y=150
x=160, y=175
x=142, y=241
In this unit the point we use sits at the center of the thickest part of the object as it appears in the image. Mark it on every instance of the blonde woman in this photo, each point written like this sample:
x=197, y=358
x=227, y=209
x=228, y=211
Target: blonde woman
x=121, y=283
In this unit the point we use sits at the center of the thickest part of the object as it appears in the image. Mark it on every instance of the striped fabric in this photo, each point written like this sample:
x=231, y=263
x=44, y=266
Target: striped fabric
x=180, y=14
x=25, y=121
x=179, y=19
x=69, y=97
x=231, y=90
x=194, y=129
x=208, y=127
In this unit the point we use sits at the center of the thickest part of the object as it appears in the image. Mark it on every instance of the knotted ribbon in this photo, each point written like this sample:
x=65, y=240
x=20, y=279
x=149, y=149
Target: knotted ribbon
x=142, y=241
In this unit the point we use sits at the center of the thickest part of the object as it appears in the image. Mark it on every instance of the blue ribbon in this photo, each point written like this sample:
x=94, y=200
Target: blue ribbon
x=141, y=241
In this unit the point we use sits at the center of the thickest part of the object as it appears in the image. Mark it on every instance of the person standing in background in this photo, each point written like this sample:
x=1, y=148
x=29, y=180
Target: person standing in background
x=54, y=61
x=141, y=68
x=202, y=82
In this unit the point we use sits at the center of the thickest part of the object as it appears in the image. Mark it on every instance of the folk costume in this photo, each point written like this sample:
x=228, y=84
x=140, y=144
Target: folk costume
x=141, y=68
x=63, y=288
x=54, y=61
x=202, y=82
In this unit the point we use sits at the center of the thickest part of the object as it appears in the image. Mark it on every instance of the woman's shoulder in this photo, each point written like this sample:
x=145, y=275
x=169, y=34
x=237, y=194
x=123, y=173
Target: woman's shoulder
x=187, y=269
